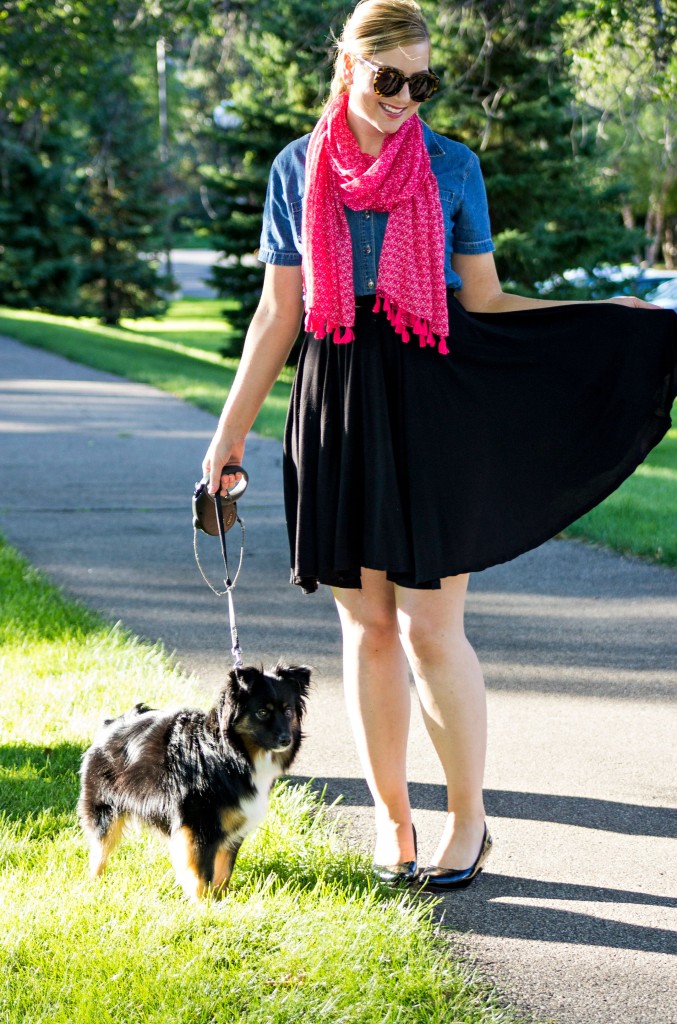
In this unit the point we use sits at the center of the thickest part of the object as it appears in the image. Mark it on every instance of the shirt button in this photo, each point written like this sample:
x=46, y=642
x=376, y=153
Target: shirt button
x=367, y=249
x=367, y=215
x=370, y=283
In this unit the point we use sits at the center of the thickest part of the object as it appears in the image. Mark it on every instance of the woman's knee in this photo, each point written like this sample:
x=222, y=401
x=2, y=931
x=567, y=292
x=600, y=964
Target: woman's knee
x=376, y=626
x=431, y=623
x=369, y=614
x=427, y=643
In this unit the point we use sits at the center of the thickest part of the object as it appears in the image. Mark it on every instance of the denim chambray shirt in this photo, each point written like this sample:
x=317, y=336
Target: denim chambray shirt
x=462, y=193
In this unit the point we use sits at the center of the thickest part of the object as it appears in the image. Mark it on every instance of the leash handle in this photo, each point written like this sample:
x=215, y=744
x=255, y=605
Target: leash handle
x=239, y=489
x=235, y=492
x=204, y=503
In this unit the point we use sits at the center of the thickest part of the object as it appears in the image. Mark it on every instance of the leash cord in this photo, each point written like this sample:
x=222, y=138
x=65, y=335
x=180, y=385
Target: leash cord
x=235, y=650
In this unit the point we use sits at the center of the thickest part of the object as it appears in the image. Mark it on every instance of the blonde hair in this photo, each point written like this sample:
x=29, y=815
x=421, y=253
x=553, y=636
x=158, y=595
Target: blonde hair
x=378, y=25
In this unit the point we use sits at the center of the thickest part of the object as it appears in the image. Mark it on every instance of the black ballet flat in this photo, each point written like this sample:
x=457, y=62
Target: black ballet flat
x=398, y=874
x=442, y=879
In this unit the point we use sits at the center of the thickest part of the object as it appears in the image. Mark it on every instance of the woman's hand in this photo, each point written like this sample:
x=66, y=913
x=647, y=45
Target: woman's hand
x=632, y=300
x=222, y=452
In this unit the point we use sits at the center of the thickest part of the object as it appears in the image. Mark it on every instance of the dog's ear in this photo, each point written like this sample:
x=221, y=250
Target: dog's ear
x=237, y=687
x=298, y=675
x=241, y=680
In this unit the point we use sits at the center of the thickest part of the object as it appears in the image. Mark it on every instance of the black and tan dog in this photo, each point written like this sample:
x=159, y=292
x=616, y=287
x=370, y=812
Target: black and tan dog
x=201, y=778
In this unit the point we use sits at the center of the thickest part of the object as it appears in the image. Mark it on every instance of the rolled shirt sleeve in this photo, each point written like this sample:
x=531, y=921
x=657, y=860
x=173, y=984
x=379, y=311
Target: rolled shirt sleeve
x=472, y=229
x=278, y=241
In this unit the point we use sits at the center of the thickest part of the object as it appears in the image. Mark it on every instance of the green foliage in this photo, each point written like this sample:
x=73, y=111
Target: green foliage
x=121, y=199
x=39, y=245
x=508, y=95
x=275, y=78
x=569, y=104
x=625, y=70
x=80, y=182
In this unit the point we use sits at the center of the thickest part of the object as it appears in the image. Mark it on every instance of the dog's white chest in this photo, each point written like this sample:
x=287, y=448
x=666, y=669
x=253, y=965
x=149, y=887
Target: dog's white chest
x=255, y=807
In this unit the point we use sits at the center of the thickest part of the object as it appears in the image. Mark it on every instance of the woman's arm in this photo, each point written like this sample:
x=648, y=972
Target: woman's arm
x=482, y=293
x=272, y=332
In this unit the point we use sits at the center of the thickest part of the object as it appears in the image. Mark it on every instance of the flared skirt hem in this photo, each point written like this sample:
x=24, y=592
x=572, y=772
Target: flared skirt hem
x=424, y=466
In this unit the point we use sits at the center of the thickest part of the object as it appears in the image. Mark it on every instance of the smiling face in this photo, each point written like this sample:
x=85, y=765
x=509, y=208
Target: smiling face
x=370, y=116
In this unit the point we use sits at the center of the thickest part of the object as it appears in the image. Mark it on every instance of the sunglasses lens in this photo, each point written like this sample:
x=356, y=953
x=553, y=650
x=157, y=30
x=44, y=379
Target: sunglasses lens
x=388, y=81
x=421, y=87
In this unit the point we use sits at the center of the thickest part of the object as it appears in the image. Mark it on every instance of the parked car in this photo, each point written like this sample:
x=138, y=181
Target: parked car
x=607, y=280
x=665, y=295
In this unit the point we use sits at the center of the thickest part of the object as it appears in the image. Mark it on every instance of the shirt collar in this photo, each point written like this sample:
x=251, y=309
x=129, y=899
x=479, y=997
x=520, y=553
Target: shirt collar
x=431, y=143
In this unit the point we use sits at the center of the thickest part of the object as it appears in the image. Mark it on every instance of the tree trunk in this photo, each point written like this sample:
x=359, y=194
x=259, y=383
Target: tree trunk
x=670, y=245
x=655, y=225
x=628, y=216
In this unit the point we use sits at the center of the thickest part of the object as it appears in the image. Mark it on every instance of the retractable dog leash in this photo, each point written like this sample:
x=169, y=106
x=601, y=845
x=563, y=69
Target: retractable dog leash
x=215, y=515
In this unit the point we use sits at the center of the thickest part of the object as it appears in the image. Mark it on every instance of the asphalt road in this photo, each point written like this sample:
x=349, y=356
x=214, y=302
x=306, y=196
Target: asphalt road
x=574, y=919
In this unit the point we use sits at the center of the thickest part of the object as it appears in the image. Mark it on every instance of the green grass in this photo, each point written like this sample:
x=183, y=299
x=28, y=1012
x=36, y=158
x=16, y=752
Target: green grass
x=179, y=354
x=640, y=518
x=200, y=324
x=305, y=933
x=163, y=353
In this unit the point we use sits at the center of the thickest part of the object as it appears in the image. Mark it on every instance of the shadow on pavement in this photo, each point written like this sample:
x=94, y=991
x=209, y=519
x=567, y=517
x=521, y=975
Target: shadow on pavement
x=584, y=812
x=493, y=907
x=496, y=904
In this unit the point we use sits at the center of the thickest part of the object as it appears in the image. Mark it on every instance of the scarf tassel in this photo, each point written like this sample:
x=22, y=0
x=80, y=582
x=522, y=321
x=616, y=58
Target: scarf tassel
x=348, y=336
x=321, y=328
x=421, y=327
x=397, y=319
x=314, y=325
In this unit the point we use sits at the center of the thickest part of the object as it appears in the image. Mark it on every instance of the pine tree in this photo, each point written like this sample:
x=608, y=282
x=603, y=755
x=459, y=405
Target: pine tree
x=80, y=181
x=121, y=199
x=39, y=71
x=278, y=71
x=39, y=248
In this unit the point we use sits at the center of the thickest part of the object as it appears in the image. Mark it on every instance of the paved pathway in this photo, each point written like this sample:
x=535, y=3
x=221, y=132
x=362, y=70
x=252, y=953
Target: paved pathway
x=191, y=269
x=572, y=920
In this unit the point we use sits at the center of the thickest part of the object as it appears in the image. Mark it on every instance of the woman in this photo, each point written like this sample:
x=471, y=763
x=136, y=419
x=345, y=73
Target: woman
x=407, y=465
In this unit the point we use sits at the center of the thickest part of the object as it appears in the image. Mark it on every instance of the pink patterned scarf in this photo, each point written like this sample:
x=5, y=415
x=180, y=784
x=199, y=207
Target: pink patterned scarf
x=400, y=182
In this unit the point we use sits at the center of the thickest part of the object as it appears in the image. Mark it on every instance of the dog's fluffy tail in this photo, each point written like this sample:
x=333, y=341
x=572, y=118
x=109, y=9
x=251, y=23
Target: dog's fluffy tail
x=138, y=709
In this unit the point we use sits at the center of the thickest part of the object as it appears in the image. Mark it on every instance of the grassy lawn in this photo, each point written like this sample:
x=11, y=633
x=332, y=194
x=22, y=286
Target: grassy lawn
x=305, y=932
x=640, y=518
x=199, y=324
x=180, y=354
x=177, y=354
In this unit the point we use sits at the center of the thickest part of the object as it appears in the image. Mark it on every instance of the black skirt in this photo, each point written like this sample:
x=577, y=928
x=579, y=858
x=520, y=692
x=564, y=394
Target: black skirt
x=400, y=459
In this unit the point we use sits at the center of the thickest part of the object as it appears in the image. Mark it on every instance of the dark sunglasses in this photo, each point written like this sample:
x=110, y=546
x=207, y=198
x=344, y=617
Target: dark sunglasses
x=388, y=81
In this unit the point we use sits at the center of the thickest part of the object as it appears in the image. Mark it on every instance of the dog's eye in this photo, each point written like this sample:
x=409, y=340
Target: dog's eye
x=262, y=713
x=288, y=713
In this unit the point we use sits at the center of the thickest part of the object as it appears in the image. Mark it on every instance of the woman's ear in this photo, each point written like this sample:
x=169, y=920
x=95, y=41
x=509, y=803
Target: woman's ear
x=347, y=65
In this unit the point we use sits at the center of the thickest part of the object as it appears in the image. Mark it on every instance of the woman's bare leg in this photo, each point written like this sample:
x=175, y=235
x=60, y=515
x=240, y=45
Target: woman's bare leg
x=450, y=686
x=376, y=680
